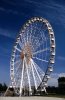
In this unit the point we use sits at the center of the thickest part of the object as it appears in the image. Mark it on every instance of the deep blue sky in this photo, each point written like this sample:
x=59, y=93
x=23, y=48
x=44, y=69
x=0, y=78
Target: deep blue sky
x=14, y=13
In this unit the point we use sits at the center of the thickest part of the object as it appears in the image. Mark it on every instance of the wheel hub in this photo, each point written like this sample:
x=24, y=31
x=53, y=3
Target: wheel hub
x=27, y=52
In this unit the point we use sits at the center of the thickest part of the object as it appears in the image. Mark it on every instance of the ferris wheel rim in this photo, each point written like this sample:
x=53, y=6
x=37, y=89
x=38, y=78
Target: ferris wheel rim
x=52, y=46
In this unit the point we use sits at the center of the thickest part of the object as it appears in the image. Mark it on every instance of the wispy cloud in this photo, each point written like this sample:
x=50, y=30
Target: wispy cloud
x=11, y=11
x=8, y=10
x=6, y=52
x=61, y=58
x=56, y=75
x=9, y=2
x=2, y=9
x=54, y=7
x=53, y=81
x=7, y=33
x=62, y=75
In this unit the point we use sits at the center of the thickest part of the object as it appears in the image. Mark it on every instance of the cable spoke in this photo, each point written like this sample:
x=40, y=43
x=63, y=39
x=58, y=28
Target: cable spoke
x=41, y=51
x=36, y=71
x=33, y=75
x=41, y=71
x=27, y=34
x=17, y=55
x=21, y=85
x=40, y=59
x=18, y=61
x=20, y=44
x=18, y=49
x=28, y=76
x=18, y=67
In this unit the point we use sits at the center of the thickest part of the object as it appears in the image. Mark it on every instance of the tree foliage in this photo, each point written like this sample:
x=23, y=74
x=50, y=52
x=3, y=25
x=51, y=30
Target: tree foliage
x=61, y=79
x=3, y=87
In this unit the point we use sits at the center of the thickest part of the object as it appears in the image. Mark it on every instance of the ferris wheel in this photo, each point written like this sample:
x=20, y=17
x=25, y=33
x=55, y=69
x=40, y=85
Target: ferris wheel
x=32, y=56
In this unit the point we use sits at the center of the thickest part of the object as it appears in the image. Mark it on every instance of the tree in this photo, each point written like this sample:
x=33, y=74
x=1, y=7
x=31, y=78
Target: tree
x=1, y=87
x=4, y=87
x=61, y=82
x=61, y=85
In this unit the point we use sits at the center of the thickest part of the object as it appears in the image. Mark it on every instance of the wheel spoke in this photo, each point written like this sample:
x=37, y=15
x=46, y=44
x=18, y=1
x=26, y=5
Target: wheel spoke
x=18, y=49
x=20, y=44
x=36, y=71
x=38, y=68
x=28, y=76
x=18, y=61
x=41, y=51
x=17, y=56
x=34, y=75
x=21, y=85
x=40, y=59
x=18, y=67
x=27, y=34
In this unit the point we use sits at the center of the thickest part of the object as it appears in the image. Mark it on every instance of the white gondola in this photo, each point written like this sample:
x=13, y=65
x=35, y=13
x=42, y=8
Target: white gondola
x=29, y=22
x=52, y=39
x=52, y=53
x=13, y=55
x=47, y=76
x=51, y=33
x=53, y=45
x=38, y=19
x=12, y=60
x=32, y=20
x=50, y=69
x=52, y=61
x=45, y=84
x=35, y=19
x=18, y=39
x=41, y=19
